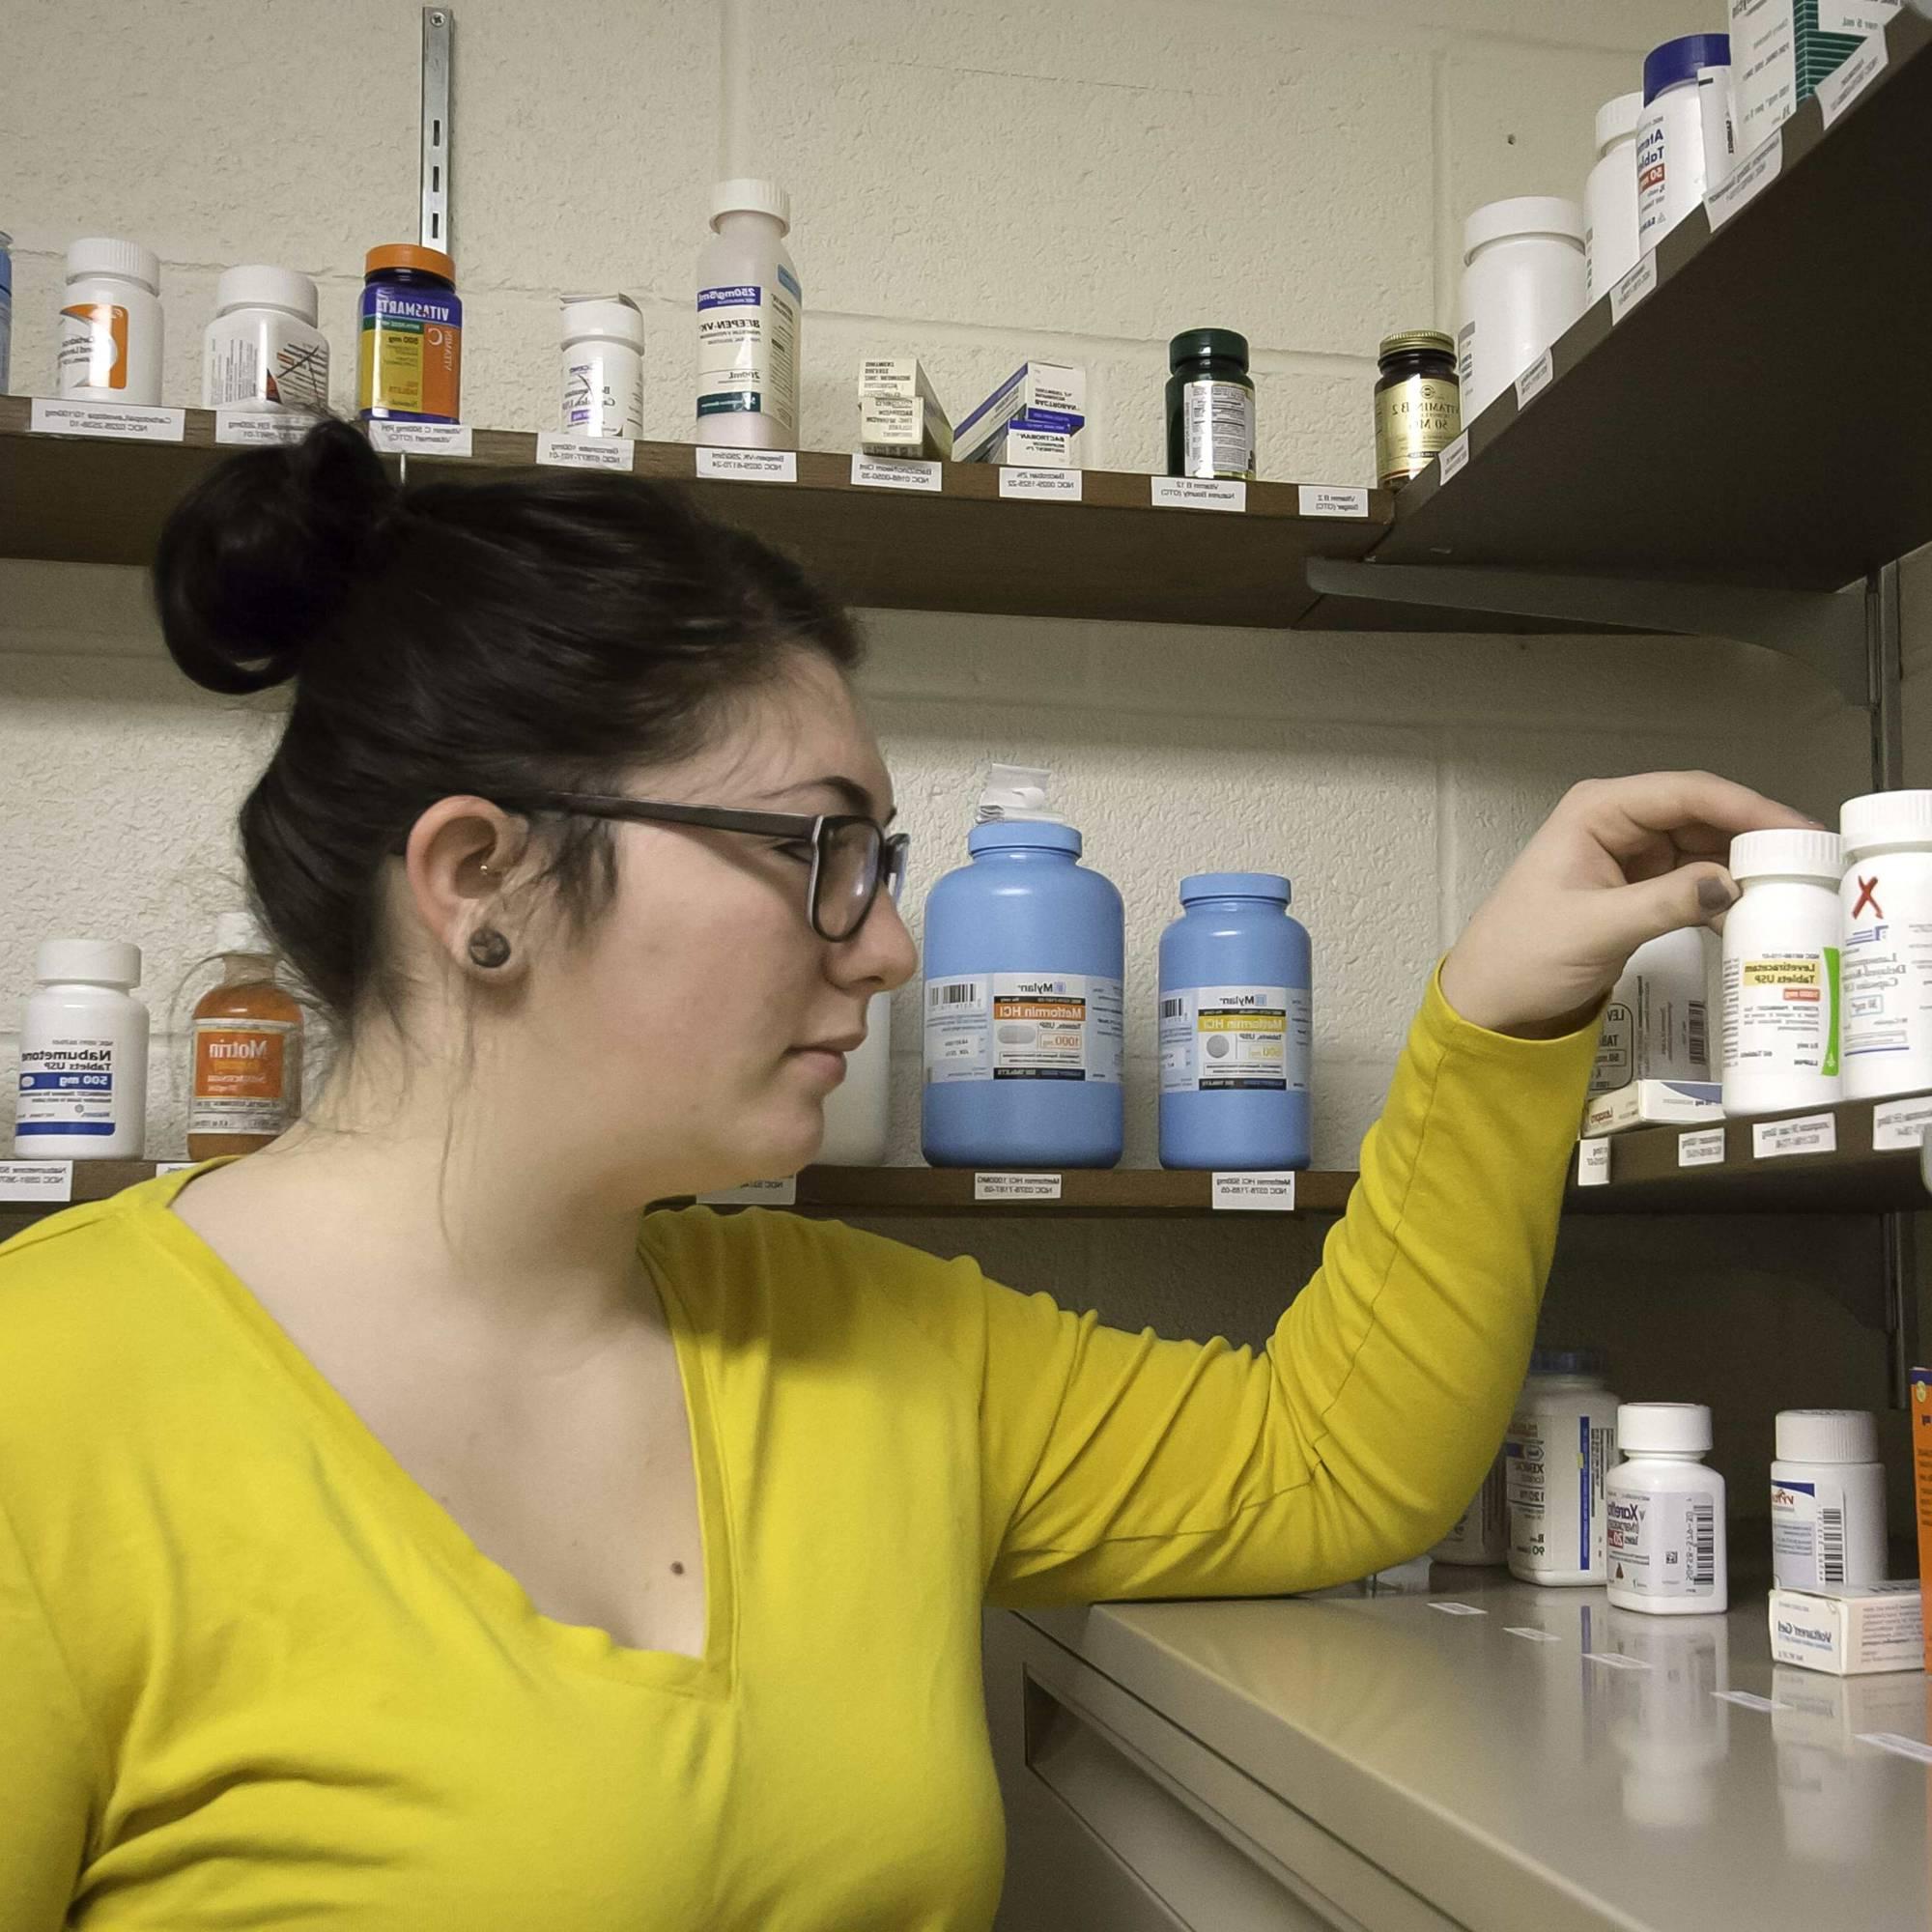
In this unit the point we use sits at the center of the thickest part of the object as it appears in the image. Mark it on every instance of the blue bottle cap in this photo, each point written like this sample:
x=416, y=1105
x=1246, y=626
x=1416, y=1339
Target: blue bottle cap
x=1567, y=1361
x=1198, y=885
x=1679, y=60
x=1009, y=835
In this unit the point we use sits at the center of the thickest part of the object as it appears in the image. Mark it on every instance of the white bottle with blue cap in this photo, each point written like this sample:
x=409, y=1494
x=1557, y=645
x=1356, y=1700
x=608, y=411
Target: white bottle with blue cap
x=1674, y=169
x=1236, y=1026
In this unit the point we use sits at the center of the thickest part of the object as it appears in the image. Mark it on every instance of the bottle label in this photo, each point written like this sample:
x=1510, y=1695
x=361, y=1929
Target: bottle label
x=243, y=1081
x=602, y=394
x=276, y=367
x=1887, y=965
x=1217, y=428
x=1781, y=1012
x=1555, y=1469
x=1465, y=361
x=748, y=349
x=1024, y=1026
x=1413, y=419
x=1652, y=180
x=1651, y=1035
x=93, y=349
x=1232, y=1039
x=1807, y=1533
x=67, y=1088
x=411, y=364
x=1664, y=1544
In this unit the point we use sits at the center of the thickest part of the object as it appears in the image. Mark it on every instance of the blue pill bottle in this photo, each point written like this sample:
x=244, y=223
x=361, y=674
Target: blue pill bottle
x=1235, y=1027
x=1024, y=958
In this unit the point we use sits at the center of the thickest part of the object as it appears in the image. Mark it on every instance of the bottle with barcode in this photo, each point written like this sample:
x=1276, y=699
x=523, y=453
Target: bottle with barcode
x=1827, y=1499
x=1664, y=1514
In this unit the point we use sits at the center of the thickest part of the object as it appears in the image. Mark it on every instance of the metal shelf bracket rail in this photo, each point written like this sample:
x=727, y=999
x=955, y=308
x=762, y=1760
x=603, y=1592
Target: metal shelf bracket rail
x=439, y=24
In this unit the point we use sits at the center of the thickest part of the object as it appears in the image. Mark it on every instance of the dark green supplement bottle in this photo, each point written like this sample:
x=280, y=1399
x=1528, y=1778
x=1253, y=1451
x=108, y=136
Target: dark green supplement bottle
x=1211, y=404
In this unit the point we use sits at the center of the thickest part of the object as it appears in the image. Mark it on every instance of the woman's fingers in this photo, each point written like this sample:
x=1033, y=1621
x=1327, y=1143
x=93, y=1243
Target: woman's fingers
x=1695, y=812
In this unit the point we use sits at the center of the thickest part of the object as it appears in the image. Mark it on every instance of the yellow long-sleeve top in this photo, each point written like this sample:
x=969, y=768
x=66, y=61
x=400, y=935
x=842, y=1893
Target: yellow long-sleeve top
x=252, y=1675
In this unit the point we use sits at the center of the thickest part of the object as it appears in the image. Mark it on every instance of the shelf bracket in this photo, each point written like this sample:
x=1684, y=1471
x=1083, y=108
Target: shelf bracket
x=439, y=24
x=1829, y=631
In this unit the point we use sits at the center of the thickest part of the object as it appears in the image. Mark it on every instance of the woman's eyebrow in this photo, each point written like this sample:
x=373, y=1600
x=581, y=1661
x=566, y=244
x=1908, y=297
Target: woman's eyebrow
x=850, y=790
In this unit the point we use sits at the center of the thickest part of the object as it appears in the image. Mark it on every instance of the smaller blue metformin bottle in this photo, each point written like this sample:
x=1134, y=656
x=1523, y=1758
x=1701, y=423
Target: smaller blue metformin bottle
x=1235, y=1027
x=1024, y=952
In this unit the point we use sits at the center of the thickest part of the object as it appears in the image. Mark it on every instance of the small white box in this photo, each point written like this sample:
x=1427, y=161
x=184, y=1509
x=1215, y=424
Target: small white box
x=1035, y=418
x=1654, y=1103
x=1849, y=1629
x=898, y=413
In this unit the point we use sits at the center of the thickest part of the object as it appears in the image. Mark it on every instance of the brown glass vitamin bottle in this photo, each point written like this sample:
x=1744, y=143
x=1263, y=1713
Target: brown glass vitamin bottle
x=1418, y=404
x=247, y=1050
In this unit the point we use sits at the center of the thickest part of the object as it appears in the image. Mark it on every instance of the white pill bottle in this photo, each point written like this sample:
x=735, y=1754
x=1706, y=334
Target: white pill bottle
x=262, y=350
x=1562, y=1440
x=1610, y=198
x=1672, y=170
x=1781, y=994
x=1522, y=286
x=83, y=1055
x=603, y=366
x=1827, y=1499
x=110, y=324
x=1887, y=900
x=1666, y=1513
x=1481, y=1535
x=750, y=313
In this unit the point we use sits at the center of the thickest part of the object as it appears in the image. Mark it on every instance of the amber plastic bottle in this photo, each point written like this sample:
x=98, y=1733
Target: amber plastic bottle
x=247, y=1050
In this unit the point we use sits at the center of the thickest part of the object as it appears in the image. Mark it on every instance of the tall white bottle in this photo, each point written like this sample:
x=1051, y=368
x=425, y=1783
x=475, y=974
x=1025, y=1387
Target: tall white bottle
x=751, y=314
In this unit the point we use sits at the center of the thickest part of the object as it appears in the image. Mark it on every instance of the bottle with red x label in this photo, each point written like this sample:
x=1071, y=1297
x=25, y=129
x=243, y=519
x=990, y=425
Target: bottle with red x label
x=1886, y=897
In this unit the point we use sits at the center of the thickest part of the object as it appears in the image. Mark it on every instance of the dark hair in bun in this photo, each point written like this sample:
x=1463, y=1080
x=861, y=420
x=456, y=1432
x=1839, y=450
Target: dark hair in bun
x=537, y=632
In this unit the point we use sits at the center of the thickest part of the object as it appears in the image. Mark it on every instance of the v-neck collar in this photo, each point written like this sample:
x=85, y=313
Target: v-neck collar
x=585, y=1646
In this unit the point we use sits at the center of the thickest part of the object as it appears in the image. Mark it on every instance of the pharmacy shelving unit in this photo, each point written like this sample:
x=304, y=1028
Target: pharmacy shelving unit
x=1732, y=443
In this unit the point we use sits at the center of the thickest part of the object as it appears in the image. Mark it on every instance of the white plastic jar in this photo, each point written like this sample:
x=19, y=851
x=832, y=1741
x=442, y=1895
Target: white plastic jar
x=750, y=318
x=1666, y=1513
x=110, y=324
x=1780, y=976
x=262, y=350
x=1609, y=199
x=603, y=366
x=1522, y=286
x=1827, y=1499
x=83, y=1055
x=1672, y=170
x=1481, y=1535
x=1562, y=1440
x=1886, y=901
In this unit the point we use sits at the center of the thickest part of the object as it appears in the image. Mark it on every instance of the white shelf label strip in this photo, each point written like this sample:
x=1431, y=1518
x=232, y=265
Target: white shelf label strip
x=1196, y=493
x=1747, y=181
x=1634, y=287
x=1534, y=380
x=1844, y=85
x=754, y=1194
x=406, y=439
x=1812, y=1133
x=1898, y=1745
x=1459, y=1609
x=1052, y=486
x=1530, y=1635
x=1750, y=1699
x=752, y=466
x=36, y=1181
x=1704, y=1147
x=1614, y=1661
x=1332, y=499
x=889, y=472
x=1255, y=1193
x=1016, y=1188
x=1901, y=1124
x=558, y=450
x=118, y=422
x=254, y=428
x=1455, y=457
x=1593, y=1162
x=162, y=1167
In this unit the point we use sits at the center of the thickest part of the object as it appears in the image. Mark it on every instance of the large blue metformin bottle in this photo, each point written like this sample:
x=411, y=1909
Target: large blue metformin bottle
x=1235, y=1027
x=1023, y=954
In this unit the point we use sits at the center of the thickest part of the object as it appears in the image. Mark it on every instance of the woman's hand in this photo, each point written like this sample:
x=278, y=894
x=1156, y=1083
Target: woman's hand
x=1619, y=862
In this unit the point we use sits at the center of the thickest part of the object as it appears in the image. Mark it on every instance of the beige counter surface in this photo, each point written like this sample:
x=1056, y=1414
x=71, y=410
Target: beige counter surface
x=1552, y=1762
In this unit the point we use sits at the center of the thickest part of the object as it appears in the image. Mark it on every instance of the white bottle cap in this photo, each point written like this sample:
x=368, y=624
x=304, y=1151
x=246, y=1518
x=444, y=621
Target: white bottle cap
x=748, y=196
x=614, y=316
x=96, y=255
x=241, y=932
x=1525, y=214
x=1886, y=819
x=1788, y=854
x=1827, y=1435
x=1616, y=120
x=1669, y=1427
x=106, y=962
x=259, y=286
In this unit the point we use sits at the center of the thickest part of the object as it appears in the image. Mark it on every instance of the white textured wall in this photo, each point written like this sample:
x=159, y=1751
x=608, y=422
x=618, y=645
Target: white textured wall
x=974, y=184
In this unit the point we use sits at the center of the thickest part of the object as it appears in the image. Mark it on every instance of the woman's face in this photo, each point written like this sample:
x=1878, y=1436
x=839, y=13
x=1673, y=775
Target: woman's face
x=691, y=1040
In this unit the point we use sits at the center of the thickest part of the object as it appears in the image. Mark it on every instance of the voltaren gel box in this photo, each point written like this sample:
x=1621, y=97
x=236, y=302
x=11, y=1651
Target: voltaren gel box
x=1849, y=1629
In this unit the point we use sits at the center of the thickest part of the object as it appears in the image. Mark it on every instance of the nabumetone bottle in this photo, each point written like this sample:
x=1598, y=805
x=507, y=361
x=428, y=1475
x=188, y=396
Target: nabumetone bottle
x=247, y=1050
x=1664, y=1514
x=83, y=1055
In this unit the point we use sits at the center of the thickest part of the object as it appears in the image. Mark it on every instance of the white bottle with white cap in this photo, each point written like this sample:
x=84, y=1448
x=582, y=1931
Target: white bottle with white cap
x=262, y=350
x=1827, y=1499
x=749, y=317
x=1522, y=286
x=83, y=1055
x=1887, y=897
x=603, y=366
x=1610, y=198
x=110, y=324
x=1664, y=1514
x=1780, y=1023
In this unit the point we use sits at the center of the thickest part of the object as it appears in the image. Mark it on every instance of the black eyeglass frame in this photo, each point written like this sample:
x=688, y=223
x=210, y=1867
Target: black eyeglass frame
x=889, y=848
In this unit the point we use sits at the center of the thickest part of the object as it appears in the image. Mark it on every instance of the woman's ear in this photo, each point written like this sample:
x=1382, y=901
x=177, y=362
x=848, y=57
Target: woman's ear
x=461, y=865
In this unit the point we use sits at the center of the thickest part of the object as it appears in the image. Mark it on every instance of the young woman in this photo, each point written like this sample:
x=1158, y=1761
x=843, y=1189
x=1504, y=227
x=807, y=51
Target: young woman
x=397, y=1530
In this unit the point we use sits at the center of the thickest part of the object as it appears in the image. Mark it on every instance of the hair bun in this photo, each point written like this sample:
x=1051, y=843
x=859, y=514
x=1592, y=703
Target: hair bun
x=261, y=556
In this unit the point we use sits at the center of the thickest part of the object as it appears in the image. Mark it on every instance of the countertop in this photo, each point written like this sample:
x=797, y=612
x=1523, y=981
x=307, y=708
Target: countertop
x=1524, y=1781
